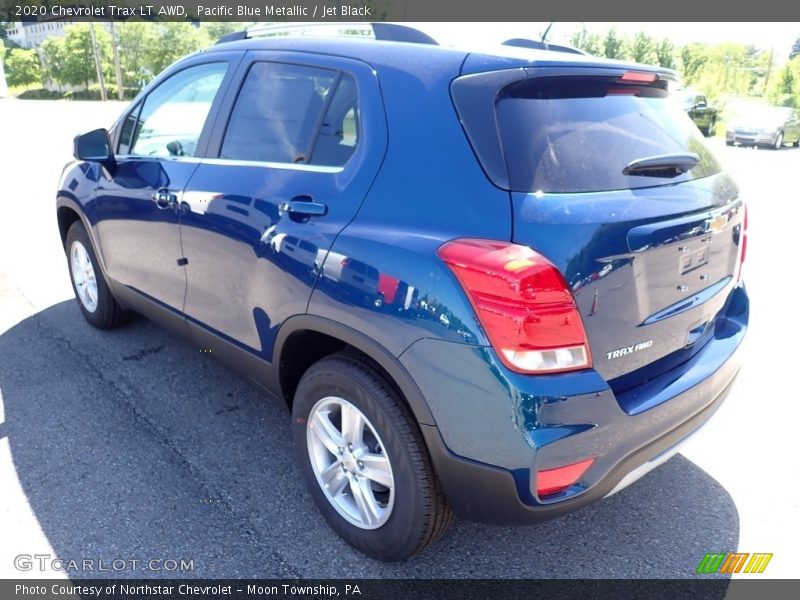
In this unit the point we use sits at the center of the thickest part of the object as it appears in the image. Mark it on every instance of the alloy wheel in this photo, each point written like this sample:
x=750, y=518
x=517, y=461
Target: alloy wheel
x=83, y=276
x=350, y=463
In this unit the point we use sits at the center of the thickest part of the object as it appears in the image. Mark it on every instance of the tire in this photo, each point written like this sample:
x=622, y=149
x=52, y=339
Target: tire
x=407, y=516
x=95, y=300
x=709, y=132
x=778, y=142
x=796, y=143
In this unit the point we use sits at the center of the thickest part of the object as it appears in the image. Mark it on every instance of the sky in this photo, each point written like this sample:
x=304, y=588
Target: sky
x=779, y=36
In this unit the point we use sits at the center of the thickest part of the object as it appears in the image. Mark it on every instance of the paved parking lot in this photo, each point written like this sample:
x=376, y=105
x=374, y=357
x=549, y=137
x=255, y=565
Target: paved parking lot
x=133, y=445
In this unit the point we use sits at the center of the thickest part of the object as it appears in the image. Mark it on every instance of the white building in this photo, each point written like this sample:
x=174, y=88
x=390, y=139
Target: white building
x=31, y=34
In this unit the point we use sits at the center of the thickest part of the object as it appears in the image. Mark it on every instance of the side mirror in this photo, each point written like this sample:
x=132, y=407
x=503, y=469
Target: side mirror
x=95, y=146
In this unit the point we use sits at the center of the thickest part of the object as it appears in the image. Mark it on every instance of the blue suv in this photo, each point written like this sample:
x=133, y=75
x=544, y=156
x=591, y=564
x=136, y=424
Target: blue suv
x=495, y=285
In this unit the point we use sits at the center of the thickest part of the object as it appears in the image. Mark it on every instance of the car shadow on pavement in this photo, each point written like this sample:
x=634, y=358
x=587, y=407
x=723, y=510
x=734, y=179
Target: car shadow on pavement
x=135, y=445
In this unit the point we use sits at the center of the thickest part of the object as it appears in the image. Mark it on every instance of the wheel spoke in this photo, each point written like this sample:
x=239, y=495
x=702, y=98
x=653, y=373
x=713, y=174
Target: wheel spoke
x=334, y=478
x=91, y=292
x=365, y=500
x=352, y=425
x=326, y=432
x=377, y=469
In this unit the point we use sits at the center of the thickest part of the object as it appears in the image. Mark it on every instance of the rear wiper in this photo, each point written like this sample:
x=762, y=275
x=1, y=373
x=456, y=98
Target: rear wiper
x=662, y=165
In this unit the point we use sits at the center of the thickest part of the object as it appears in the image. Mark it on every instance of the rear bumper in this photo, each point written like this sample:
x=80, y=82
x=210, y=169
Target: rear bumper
x=491, y=439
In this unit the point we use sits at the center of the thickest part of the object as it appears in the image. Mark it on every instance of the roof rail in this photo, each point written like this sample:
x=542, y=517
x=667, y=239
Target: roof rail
x=377, y=31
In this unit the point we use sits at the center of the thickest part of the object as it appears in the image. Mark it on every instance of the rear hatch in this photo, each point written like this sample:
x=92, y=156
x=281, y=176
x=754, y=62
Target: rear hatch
x=614, y=184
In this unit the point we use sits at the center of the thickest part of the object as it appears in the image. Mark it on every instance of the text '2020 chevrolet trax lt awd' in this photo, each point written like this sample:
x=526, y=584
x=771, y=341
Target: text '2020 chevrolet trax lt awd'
x=500, y=286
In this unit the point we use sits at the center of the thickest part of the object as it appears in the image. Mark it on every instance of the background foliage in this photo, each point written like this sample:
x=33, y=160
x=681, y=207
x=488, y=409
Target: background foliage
x=720, y=71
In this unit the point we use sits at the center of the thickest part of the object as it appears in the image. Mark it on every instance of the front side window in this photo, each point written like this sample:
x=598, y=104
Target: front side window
x=171, y=119
x=293, y=114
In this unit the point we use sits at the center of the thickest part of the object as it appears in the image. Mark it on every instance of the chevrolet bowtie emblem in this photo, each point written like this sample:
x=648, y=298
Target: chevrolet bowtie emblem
x=716, y=224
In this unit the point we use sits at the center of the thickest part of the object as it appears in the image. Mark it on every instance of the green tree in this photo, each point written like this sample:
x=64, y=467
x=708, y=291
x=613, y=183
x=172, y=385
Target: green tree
x=588, y=42
x=643, y=49
x=785, y=91
x=665, y=54
x=693, y=57
x=136, y=42
x=77, y=60
x=53, y=52
x=175, y=40
x=614, y=45
x=216, y=29
x=22, y=68
x=795, y=51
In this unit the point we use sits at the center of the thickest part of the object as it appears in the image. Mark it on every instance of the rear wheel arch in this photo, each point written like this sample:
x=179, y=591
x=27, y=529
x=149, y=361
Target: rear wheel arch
x=305, y=339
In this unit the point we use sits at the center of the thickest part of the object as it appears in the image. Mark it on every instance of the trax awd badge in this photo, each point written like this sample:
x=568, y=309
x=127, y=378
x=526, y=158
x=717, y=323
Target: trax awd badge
x=629, y=349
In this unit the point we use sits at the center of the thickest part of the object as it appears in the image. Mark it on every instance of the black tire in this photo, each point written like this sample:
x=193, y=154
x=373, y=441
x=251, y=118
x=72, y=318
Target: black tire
x=778, y=142
x=709, y=132
x=420, y=514
x=796, y=143
x=107, y=313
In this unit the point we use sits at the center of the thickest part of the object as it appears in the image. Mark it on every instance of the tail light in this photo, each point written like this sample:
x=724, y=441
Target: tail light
x=523, y=303
x=743, y=243
x=555, y=480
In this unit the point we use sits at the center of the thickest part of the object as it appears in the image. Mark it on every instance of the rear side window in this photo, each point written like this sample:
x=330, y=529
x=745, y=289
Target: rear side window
x=293, y=114
x=577, y=134
x=338, y=133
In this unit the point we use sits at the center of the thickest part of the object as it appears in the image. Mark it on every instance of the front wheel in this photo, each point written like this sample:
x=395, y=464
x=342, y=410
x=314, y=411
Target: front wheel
x=364, y=460
x=94, y=297
x=778, y=142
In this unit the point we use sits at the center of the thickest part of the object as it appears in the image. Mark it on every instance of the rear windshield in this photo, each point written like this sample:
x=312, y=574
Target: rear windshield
x=577, y=134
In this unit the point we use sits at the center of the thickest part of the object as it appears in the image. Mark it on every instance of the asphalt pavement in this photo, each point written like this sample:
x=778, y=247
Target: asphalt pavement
x=133, y=445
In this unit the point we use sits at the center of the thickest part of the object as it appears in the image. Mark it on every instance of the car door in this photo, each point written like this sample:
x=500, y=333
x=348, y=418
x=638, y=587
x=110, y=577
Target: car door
x=296, y=146
x=137, y=205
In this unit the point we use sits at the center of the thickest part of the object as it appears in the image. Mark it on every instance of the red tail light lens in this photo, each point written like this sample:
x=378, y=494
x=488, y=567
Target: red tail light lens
x=638, y=77
x=523, y=303
x=551, y=481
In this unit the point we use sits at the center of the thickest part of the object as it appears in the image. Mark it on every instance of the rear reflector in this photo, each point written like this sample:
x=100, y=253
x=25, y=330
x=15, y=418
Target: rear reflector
x=638, y=77
x=523, y=304
x=555, y=480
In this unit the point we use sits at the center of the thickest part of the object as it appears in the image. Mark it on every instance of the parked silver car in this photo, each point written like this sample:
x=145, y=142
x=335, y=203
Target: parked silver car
x=771, y=126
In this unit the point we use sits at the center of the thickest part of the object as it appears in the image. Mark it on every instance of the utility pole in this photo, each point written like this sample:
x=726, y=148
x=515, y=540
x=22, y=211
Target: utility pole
x=117, y=65
x=769, y=70
x=97, y=64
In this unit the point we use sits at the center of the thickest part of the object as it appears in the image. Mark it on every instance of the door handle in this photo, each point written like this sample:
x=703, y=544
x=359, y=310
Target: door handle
x=303, y=206
x=164, y=199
